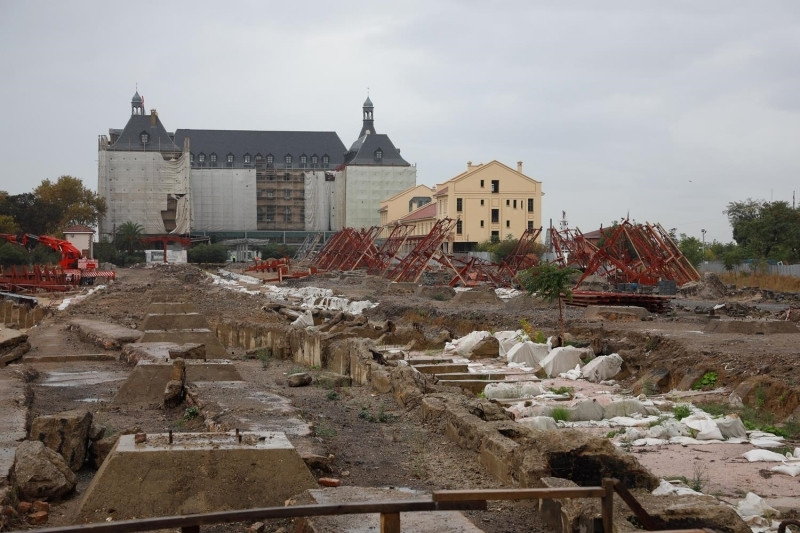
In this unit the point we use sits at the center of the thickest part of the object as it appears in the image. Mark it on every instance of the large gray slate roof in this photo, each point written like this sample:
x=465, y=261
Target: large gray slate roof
x=130, y=138
x=363, y=152
x=277, y=143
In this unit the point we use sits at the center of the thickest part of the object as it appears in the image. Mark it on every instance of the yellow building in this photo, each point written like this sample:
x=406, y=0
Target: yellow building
x=489, y=201
x=401, y=204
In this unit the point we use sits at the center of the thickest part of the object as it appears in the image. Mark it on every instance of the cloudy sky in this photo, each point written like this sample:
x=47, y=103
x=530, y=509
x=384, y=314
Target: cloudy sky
x=666, y=110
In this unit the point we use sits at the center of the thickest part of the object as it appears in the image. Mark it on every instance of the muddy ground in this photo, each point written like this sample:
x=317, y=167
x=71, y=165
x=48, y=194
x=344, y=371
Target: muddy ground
x=389, y=446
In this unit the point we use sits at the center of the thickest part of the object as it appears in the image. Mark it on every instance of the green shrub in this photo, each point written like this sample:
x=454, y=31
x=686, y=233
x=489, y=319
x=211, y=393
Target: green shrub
x=208, y=253
x=11, y=254
x=708, y=381
x=681, y=411
x=191, y=412
x=333, y=395
x=560, y=414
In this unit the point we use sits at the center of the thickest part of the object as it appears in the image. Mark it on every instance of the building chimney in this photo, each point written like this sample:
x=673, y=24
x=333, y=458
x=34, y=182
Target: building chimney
x=519, y=167
x=469, y=165
x=153, y=117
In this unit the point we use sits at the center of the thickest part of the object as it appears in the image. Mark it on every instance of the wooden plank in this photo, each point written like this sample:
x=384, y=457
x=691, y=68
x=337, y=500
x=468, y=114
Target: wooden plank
x=390, y=522
x=607, y=504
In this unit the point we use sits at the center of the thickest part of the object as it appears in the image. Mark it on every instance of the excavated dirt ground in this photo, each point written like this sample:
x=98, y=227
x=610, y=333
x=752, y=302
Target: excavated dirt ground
x=400, y=452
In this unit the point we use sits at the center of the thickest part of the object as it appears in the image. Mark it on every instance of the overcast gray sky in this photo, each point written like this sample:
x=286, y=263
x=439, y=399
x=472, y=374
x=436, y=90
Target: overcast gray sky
x=664, y=110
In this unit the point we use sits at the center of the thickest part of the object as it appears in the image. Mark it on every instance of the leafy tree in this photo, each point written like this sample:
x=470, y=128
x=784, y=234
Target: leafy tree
x=208, y=253
x=128, y=237
x=550, y=282
x=12, y=254
x=768, y=230
x=275, y=251
x=8, y=225
x=692, y=248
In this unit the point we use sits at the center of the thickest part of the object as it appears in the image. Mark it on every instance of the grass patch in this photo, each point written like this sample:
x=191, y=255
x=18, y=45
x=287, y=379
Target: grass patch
x=614, y=432
x=773, y=282
x=191, y=412
x=657, y=422
x=324, y=430
x=708, y=381
x=755, y=418
x=681, y=411
x=563, y=390
x=560, y=414
x=265, y=356
x=333, y=395
x=381, y=417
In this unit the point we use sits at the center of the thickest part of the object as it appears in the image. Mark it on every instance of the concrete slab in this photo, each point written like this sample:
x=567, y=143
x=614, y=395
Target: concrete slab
x=109, y=336
x=198, y=472
x=154, y=321
x=441, y=368
x=475, y=386
x=12, y=419
x=254, y=409
x=439, y=521
x=145, y=384
x=66, y=358
x=214, y=349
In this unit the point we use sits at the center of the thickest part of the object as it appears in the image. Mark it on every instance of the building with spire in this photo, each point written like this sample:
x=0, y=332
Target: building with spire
x=229, y=181
x=373, y=170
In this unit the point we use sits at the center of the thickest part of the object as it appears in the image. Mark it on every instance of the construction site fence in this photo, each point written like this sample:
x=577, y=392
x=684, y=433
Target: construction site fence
x=718, y=267
x=276, y=237
x=444, y=500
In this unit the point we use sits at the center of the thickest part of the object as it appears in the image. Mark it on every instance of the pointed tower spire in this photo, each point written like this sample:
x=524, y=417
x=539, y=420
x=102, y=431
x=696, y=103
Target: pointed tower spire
x=369, y=124
x=137, y=104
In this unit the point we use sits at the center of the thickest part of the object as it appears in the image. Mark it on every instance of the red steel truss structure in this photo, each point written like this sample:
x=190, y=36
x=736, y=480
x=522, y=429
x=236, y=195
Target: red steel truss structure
x=348, y=249
x=410, y=268
x=571, y=248
x=388, y=250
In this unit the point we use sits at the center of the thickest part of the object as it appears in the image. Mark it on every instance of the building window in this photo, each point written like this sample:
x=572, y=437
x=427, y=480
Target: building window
x=530, y=205
x=459, y=204
x=201, y=157
x=378, y=154
x=495, y=216
x=270, y=159
x=481, y=201
x=325, y=160
x=481, y=184
x=287, y=176
x=515, y=204
x=459, y=227
x=495, y=186
x=530, y=225
x=270, y=213
x=287, y=214
x=144, y=137
x=508, y=202
x=259, y=158
x=287, y=159
x=508, y=223
x=229, y=159
x=481, y=223
x=303, y=161
x=246, y=159
x=270, y=193
x=287, y=193
x=213, y=158
x=314, y=159
x=495, y=236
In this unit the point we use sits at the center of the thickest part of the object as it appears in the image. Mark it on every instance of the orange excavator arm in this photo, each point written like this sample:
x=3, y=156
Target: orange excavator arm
x=69, y=253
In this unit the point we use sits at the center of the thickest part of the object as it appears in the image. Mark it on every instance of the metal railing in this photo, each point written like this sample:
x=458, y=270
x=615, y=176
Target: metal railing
x=443, y=500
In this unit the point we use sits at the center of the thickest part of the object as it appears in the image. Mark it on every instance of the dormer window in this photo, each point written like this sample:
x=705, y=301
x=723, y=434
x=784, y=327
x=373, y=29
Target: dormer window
x=259, y=158
x=246, y=159
x=229, y=159
x=325, y=160
x=270, y=159
x=303, y=160
x=213, y=158
x=314, y=160
x=201, y=157
x=144, y=137
x=191, y=158
x=287, y=159
x=378, y=154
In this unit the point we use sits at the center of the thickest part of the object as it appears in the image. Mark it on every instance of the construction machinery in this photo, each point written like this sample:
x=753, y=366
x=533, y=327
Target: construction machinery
x=73, y=268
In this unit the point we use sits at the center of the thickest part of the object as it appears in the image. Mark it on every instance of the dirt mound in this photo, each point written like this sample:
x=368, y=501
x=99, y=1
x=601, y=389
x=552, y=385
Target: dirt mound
x=709, y=287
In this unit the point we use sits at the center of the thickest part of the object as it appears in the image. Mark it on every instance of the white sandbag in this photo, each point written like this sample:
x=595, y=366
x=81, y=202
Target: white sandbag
x=602, y=368
x=628, y=407
x=766, y=443
x=573, y=374
x=507, y=340
x=647, y=441
x=305, y=320
x=528, y=353
x=561, y=360
x=463, y=345
x=731, y=427
x=754, y=505
x=539, y=422
x=667, y=429
x=788, y=469
x=763, y=455
x=505, y=391
x=665, y=488
x=704, y=425
x=587, y=410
